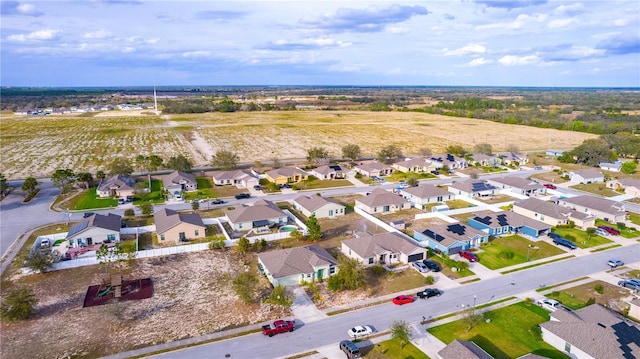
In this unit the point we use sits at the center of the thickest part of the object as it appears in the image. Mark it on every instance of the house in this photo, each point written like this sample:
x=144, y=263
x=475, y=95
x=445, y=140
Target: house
x=605, y=209
x=178, y=227
x=484, y=160
x=327, y=172
x=634, y=309
x=503, y=223
x=473, y=188
x=630, y=186
x=319, y=206
x=381, y=201
x=383, y=249
x=292, y=266
x=613, y=167
x=587, y=175
x=372, y=169
x=423, y=195
x=261, y=214
x=458, y=349
x=592, y=332
x=509, y=158
x=96, y=229
x=449, y=162
x=518, y=185
x=286, y=174
x=554, y=153
x=553, y=214
x=418, y=165
x=451, y=238
x=238, y=178
x=116, y=186
x=178, y=182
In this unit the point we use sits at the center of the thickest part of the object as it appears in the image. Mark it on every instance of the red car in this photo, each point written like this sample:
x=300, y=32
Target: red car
x=610, y=230
x=468, y=256
x=277, y=327
x=549, y=186
x=403, y=299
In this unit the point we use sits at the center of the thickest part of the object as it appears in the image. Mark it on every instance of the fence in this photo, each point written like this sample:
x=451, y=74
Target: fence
x=380, y=223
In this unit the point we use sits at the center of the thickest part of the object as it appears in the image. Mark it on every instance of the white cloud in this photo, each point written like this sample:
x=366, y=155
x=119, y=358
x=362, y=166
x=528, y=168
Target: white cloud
x=621, y=22
x=480, y=61
x=465, y=50
x=40, y=35
x=568, y=9
x=558, y=23
x=513, y=60
x=151, y=41
x=100, y=34
x=128, y=49
x=196, y=54
x=520, y=21
x=397, y=30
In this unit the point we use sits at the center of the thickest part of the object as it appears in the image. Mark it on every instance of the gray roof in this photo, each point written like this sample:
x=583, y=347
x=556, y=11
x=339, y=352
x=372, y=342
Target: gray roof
x=597, y=203
x=165, y=219
x=518, y=182
x=117, y=182
x=370, y=246
x=326, y=169
x=412, y=162
x=550, y=209
x=178, y=177
x=472, y=185
x=381, y=197
x=288, y=171
x=371, y=166
x=260, y=210
x=630, y=182
x=111, y=222
x=480, y=157
x=231, y=175
x=425, y=191
x=462, y=349
x=597, y=331
x=447, y=234
x=296, y=260
x=312, y=203
x=588, y=173
x=512, y=219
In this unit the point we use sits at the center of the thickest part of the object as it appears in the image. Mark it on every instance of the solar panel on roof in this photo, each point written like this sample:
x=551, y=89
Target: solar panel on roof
x=335, y=167
x=502, y=220
x=450, y=157
x=431, y=234
x=457, y=229
x=486, y=220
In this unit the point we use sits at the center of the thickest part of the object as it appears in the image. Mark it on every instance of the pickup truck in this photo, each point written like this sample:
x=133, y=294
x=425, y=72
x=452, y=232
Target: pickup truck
x=277, y=327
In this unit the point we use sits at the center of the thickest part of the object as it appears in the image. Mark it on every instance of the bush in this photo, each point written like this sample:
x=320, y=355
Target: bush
x=599, y=288
x=129, y=212
x=429, y=279
x=570, y=237
x=244, y=285
x=506, y=255
x=590, y=301
x=18, y=305
x=378, y=270
x=621, y=226
x=528, y=301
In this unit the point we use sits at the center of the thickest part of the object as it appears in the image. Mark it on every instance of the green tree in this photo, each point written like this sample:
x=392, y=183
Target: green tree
x=483, y=148
x=146, y=208
x=593, y=151
x=244, y=284
x=281, y=296
x=30, y=185
x=318, y=155
x=100, y=175
x=225, y=160
x=590, y=232
x=179, y=163
x=18, y=304
x=629, y=167
x=116, y=255
x=389, y=153
x=40, y=259
x=351, y=275
x=129, y=212
x=244, y=245
x=4, y=184
x=351, y=152
x=120, y=166
x=412, y=181
x=457, y=150
x=86, y=178
x=63, y=179
x=401, y=331
x=425, y=152
x=315, y=233
x=195, y=205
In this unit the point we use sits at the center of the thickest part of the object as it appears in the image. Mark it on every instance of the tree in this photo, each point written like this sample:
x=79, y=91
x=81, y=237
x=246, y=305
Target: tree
x=473, y=175
x=425, y=151
x=412, y=181
x=86, y=178
x=30, y=185
x=129, y=212
x=245, y=284
x=593, y=151
x=116, y=254
x=146, y=208
x=629, y=167
x=471, y=317
x=244, y=245
x=494, y=162
x=590, y=232
x=40, y=259
x=351, y=152
x=63, y=179
x=195, y=205
x=315, y=233
x=483, y=148
x=100, y=175
x=281, y=296
x=401, y=331
x=351, y=275
x=225, y=160
x=318, y=155
x=18, y=304
x=389, y=153
x=457, y=150
x=120, y=166
x=149, y=163
x=179, y=163
x=4, y=185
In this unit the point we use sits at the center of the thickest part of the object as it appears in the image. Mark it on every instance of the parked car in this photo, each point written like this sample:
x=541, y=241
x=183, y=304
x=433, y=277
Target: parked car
x=437, y=173
x=403, y=184
x=217, y=201
x=564, y=242
x=403, y=299
x=277, y=327
x=468, y=256
x=242, y=195
x=428, y=293
x=549, y=304
x=601, y=232
x=610, y=230
x=121, y=200
x=350, y=349
x=630, y=283
x=432, y=265
x=420, y=267
x=87, y=214
x=614, y=263
x=360, y=331
x=549, y=186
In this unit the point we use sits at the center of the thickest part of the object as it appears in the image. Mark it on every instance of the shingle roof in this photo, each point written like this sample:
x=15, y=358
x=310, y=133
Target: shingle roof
x=630, y=182
x=472, y=185
x=597, y=331
x=597, y=203
x=462, y=349
x=412, y=162
x=231, y=175
x=448, y=234
x=111, y=222
x=550, y=209
x=177, y=177
x=296, y=260
x=326, y=169
x=286, y=172
x=117, y=182
x=512, y=219
x=166, y=219
x=312, y=203
x=426, y=191
x=258, y=211
x=588, y=173
x=380, y=197
x=370, y=166
x=518, y=182
x=369, y=246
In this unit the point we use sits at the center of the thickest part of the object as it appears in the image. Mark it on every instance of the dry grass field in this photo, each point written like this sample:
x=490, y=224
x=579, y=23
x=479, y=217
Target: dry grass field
x=36, y=146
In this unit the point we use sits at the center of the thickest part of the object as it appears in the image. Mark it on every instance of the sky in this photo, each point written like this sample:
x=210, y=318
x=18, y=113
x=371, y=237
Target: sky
x=537, y=43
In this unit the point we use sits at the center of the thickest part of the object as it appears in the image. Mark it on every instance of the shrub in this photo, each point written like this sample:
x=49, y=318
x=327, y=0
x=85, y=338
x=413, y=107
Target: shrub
x=528, y=301
x=429, y=279
x=506, y=255
x=599, y=288
x=621, y=226
x=129, y=212
x=590, y=301
x=378, y=270
x=18, y=305
x=570, y=237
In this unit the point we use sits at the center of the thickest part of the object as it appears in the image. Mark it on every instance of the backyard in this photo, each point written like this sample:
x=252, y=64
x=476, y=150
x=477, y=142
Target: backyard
x=511, y=332
x=458, y=203
x=599, y=188
x=396, y=176
x=627, y=232
x=315, y=183
x=597, y=291
x=581, y=238
x=507, y=251
x=89, y=200
x=391, y=349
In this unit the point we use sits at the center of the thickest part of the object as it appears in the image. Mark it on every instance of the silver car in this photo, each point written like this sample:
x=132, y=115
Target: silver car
x=420, y=267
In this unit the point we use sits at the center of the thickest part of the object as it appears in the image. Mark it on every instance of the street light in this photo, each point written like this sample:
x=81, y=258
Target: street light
x=474, y=304
x=530, y=248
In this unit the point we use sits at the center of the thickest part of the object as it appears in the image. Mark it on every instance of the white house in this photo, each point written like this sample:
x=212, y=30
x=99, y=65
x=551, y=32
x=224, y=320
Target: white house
x=96, y=229
x=261, y=214
x=423, y=195
x=319, y=206
x=292, y=266
x=386, y=248
x=238, y=178
x=587, y=175
x=380, y=201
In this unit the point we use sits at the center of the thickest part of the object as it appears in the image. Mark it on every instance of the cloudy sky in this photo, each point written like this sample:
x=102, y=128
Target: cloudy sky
x=426, y=43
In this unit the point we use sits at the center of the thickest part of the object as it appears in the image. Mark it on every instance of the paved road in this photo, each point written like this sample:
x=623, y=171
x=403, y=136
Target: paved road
x=333, y=329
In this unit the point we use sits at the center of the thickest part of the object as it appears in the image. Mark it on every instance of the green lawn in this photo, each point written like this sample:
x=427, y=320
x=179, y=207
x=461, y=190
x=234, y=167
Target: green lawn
x=494, y=254
x=597, y=188
x=154, y=196
x=634, y=218
x=403, y=176
x=206, y=189
x=390, y=349
x=90, y=200
x=579, y=296
x=512, y=332
x=446, y=268
x=314, y=183
x=626, y=232
x=580, y=237
x=458, y=203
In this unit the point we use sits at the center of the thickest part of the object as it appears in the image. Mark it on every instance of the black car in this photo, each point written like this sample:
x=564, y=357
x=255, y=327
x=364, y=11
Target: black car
x=428, y=293
x=432, y=265
x=564, y=242
x=87, y=214
x=242, y=195
x=257, y=187
x=217, y=201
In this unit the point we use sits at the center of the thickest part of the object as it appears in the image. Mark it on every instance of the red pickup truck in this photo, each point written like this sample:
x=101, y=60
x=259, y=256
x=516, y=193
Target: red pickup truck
x=277, y=327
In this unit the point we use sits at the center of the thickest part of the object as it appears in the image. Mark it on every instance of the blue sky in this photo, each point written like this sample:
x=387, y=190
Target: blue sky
x=419, y=43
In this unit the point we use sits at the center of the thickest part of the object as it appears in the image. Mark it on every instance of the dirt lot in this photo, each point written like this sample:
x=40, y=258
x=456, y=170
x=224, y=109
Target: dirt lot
x=193, y=290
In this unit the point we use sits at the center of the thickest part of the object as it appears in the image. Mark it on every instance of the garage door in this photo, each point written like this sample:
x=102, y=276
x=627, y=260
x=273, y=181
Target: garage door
x=416, y=257
x=454, y=250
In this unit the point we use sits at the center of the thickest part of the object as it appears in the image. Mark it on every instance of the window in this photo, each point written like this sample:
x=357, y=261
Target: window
x=371, y=260
x=162, y=237
x=567, y=347
x=332, y=269
x=111, y=237
x=197, y=232
x=240, y=225
x=440, y=199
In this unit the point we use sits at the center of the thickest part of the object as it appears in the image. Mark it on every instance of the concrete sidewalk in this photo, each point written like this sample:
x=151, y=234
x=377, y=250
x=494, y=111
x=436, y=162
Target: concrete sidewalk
x=303, y=308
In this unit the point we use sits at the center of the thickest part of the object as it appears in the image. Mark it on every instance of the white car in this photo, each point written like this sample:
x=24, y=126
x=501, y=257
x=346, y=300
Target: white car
x=360, y=331
x=420, y=267
x=549, y=304
x=601, y=232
